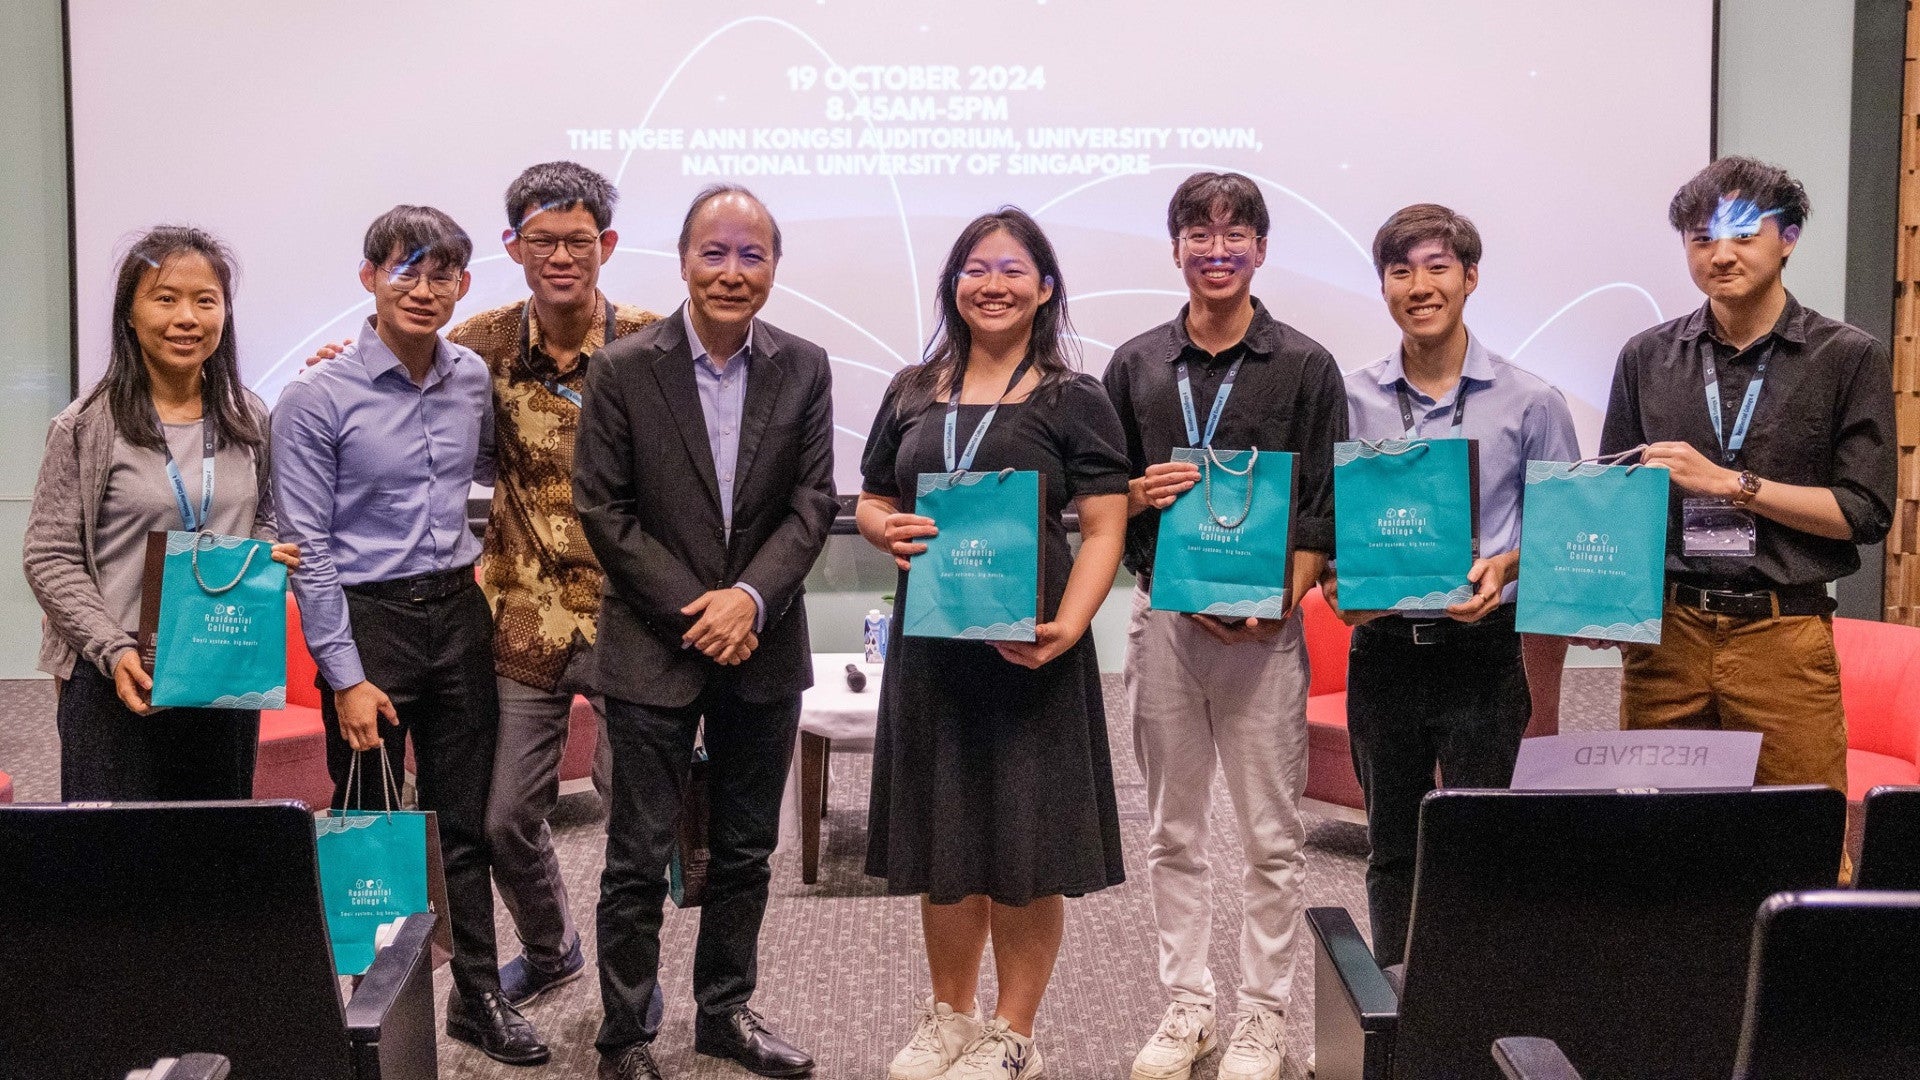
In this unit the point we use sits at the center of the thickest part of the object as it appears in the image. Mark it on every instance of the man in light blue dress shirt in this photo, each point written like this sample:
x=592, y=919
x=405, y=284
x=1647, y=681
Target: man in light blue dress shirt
x=1446, y=688
x=375, y=453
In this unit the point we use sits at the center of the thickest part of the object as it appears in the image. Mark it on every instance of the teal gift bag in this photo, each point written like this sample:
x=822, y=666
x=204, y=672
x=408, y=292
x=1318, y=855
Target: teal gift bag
x=373, y=869
x=213, y=621
x=979, y=580
x=1593, y=551
x=1406, y=522
x=1224, y=545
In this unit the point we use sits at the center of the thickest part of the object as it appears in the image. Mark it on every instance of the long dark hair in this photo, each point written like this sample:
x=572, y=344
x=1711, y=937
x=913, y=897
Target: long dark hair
x=1053, y=347
x=125, y=386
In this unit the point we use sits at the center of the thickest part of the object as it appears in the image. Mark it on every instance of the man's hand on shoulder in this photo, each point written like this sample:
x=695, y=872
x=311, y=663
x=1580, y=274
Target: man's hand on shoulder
x=723, y=625
x=328, y=352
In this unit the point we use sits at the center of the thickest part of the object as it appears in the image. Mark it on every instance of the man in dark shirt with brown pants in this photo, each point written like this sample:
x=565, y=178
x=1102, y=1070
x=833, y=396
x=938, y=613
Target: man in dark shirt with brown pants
x=1777, y=424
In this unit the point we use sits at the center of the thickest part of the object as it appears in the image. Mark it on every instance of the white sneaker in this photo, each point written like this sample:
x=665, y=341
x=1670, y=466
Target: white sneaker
x=1185, y=1036
x=1000, y=1053
x=1257, y=1048
x=937, y=1042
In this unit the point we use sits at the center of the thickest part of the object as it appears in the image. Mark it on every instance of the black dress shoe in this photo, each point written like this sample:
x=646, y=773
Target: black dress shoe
x=633, y=1063
x=744, y=1038
x=497, y=1028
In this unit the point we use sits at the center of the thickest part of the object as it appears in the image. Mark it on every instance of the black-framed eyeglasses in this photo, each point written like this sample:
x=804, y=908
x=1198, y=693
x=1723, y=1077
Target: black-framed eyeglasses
x=1203, y=241
x=405, y=279
x=541, y=246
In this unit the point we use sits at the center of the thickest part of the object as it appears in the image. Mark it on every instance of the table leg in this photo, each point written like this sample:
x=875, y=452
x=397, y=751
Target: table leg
x=813, y=785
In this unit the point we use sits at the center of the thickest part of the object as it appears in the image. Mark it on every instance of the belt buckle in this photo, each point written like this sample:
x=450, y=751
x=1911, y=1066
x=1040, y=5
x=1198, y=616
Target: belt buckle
x=1420, y=636
x=1731, y=602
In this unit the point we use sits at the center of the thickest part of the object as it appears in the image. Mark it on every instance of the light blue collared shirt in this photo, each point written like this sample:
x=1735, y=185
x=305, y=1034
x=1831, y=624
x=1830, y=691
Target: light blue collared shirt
x=723, y=403
x=371, y=474
x=1516, y=416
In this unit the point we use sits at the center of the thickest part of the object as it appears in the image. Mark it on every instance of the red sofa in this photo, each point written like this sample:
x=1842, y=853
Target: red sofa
x=1330, y=777
x=292, y=761
x=1880, y=688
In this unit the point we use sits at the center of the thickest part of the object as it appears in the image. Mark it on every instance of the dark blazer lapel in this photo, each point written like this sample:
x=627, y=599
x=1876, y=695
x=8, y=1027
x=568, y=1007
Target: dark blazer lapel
x=763, y=389
x=674, y=370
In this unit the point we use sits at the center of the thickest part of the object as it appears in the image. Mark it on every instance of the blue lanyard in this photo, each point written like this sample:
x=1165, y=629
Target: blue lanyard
x=1194, y=436
x=1406, y=407
x=1730, y=444
x=980, y=430
x=188, y=521
x=555, y=386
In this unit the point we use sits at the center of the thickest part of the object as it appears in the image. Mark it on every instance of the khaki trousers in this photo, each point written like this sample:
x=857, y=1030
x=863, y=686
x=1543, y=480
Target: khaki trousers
x=1777, y=676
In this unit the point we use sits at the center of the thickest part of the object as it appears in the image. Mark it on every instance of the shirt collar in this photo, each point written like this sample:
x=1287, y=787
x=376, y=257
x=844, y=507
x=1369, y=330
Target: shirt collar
x=378, y=359
x=700, y=349
x=1262, y=337
x=1478, y=365
x=1790, y=326
x=596, y=331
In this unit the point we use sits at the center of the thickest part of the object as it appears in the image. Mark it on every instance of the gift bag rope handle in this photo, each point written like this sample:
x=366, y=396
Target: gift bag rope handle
x=1615, y=459
x=1379, y=446
x=1211, y=462
x=390, y=789
x=252, y=550
x=997, y=477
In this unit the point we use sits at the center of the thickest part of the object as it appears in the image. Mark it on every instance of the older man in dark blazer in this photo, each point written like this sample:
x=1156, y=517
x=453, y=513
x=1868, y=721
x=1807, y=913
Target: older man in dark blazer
x=704, y=479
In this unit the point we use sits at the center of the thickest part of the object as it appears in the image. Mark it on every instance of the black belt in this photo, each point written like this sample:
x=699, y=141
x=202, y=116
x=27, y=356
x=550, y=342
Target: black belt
x=420, y=588
x=1754, y=603
x=1443, y=630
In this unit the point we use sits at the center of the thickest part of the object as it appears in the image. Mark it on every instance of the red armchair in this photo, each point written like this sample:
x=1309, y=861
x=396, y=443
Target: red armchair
x=292, y=761
x=1879, y=686
x=1330, y=777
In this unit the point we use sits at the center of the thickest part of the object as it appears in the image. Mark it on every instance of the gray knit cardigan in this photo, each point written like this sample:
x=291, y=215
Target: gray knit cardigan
x=58, y=554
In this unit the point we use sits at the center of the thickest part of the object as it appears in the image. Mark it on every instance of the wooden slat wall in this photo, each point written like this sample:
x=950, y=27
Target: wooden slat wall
x=1903, y=543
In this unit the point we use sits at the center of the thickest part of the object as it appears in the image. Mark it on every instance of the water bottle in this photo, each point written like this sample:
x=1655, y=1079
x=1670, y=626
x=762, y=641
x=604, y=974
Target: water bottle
x=874, y=635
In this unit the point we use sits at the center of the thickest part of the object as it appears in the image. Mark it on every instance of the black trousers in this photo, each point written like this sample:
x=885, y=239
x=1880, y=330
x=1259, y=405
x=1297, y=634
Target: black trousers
x=108, y=753
x=749, y=746
x=1459, y=703
x=435, y=660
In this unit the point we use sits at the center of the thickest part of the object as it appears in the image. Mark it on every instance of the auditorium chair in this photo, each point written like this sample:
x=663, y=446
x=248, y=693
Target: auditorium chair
x=1617, y=924
x=137, y=931
x=1832, y=994
x=1890, y=842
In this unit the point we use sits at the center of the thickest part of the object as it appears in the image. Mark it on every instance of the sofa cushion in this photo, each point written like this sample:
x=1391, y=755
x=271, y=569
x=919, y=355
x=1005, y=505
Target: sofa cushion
x=1867, y=770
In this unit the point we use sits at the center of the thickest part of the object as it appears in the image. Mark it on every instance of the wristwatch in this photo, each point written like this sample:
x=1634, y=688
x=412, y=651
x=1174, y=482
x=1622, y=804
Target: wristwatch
x=1749, y=487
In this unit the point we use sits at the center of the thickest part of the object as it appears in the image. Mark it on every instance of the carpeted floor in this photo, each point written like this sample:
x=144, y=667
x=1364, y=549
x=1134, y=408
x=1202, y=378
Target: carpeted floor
x=841, y=963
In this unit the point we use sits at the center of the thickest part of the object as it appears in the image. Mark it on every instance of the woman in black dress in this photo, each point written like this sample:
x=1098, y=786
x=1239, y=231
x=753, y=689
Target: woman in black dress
x=992, y=786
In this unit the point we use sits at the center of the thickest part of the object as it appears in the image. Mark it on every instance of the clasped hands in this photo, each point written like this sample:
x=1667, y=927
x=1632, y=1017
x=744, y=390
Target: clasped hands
x=905, y=534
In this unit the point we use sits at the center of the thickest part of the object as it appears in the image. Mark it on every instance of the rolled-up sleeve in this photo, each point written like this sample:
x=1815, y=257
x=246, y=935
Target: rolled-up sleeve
x=1865, y=452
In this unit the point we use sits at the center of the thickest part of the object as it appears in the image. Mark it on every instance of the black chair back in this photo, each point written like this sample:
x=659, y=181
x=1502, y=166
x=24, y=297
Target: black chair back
x=1615, y=924
x=1835, y=989
x=1890, y=841
x=131, y=932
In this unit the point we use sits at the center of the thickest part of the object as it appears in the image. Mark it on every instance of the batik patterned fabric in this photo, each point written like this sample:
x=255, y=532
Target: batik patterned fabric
x=538, y=573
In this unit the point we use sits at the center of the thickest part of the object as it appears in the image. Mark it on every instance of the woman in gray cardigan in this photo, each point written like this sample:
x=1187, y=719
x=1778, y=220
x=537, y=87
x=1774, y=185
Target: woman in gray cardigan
x=169, y=439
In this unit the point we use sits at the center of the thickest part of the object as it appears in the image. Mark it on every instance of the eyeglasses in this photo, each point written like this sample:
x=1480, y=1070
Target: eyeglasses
x=405, y=279
x=541, y=246
x=1236, y=241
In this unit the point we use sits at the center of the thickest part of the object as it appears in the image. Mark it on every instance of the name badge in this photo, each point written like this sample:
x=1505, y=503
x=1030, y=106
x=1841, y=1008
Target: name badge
x=1715, y=526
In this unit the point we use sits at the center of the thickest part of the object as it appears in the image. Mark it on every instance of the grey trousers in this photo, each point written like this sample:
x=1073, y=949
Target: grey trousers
x=526, y=783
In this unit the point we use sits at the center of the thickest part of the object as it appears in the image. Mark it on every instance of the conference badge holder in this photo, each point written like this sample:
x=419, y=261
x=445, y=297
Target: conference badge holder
x=1716, y=527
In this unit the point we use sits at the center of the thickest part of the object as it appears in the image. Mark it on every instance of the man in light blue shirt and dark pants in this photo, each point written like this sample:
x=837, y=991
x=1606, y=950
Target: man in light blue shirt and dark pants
x=1445, y=688
x=377, y=451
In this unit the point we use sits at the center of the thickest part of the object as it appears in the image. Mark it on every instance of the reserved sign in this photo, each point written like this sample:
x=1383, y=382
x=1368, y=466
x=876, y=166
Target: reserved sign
x=1607, y=760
